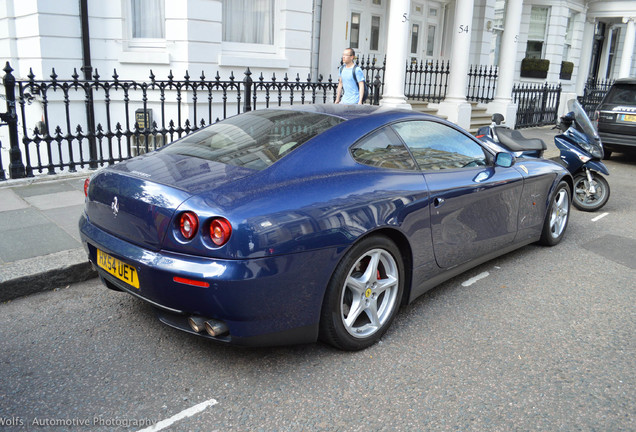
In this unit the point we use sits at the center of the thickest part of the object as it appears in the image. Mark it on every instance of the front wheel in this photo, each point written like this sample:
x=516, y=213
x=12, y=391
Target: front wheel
x=556, y=219
x=363, y=295
x=590, y=196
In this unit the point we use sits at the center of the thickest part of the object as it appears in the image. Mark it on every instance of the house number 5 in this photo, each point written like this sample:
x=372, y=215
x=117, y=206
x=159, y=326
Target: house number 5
x=463, y=29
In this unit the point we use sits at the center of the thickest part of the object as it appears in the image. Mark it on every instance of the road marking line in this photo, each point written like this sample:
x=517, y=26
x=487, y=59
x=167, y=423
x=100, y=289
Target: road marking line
x=472, y=280
x=599, y=217
x=180, y=416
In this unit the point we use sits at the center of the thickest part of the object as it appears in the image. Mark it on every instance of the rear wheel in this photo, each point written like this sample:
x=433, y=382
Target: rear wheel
x=556, y=219
x=590, y=196
x=363, y=295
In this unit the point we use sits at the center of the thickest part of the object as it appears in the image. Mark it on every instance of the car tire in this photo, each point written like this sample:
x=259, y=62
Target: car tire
x=363, y=295
x=557, y=216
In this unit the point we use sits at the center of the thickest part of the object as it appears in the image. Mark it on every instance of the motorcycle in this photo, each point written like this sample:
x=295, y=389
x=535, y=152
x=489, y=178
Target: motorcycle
x=581, y=153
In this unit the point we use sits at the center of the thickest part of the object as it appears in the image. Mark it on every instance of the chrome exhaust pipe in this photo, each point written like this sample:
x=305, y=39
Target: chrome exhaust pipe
x=197, y=323
x=215, y=328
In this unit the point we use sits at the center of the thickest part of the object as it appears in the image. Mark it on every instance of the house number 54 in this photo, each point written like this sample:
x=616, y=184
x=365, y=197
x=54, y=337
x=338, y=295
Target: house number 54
x=463, y=28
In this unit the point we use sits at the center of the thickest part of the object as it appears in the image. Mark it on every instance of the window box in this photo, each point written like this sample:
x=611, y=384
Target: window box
x=534, y=68
x=566, y=70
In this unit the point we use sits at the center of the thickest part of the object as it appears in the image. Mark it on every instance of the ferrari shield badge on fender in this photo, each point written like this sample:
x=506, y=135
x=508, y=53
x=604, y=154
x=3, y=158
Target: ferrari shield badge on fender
x=115, y=206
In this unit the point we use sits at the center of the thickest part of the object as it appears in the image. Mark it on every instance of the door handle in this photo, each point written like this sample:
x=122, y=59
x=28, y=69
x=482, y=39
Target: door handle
x=438, y=202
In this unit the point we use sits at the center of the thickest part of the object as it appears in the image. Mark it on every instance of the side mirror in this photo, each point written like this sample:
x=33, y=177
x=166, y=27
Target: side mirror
x=505, y=160
x=497, y=118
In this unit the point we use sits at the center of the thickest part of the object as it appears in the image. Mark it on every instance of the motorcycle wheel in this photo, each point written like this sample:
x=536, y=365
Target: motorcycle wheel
x=583, y=199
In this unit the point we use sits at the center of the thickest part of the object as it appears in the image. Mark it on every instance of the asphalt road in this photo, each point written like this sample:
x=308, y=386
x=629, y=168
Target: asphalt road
x=540, y=339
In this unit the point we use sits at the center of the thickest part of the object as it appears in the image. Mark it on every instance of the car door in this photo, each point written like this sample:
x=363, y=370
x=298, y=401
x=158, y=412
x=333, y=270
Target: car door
x=474, y=204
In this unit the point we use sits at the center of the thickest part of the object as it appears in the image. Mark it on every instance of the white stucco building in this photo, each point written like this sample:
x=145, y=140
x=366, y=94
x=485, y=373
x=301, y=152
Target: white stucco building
x=306, y=38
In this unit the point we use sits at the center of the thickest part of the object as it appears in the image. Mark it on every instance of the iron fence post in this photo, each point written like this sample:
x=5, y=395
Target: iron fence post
x=247, y=88
x=16, y=167
x=376, y=90
x=90, y=117
x=2, y=176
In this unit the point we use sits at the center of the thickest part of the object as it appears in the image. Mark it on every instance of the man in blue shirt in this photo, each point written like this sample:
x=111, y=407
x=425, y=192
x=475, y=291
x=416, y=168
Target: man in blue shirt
x=353, y=86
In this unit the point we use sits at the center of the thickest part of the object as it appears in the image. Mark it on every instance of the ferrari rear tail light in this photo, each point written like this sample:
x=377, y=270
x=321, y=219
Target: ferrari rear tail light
x=220, y=231
x=188, y=225
x=86, y=183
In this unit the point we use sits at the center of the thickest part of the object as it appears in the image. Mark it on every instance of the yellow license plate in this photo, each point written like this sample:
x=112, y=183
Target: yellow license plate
x=120, y=270
x=629, y=118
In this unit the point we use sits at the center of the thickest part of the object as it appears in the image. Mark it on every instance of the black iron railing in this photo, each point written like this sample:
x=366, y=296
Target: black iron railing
x=131, y=117
x=482, y=83
x=593, y=94
x=537, y=105
x=427, y=81
x=67, y=124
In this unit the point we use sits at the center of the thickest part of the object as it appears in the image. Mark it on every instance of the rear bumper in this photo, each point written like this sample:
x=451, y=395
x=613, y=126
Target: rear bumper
x=615, y=141
x=267, y=301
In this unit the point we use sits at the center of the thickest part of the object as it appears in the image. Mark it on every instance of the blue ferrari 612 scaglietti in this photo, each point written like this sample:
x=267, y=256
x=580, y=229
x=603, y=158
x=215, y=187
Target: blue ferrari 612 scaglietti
x=289, y=225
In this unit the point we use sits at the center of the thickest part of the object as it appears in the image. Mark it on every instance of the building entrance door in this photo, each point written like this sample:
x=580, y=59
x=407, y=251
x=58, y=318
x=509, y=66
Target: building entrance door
x=367, y=27
x=426, y=31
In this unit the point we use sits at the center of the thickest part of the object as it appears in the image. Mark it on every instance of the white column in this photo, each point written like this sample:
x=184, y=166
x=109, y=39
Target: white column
x=628, y=48
x=397, y=41
x=455, y=107
x=460, y=55
x=583, y=70
x=507, y=61
x=333, y=38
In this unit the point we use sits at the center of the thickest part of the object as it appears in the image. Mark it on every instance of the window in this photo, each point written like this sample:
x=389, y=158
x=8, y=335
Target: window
x=415, y=32
x=436, y=146
x=375, y=33
x=536, y=33
x=567, y=47
x=621, y=94
x=497, y=30
x=430, y=41
x=383, y=149
x=248, y=21
x=355, y=30
x=147, y=19
x=254, y=140
x=611, y=55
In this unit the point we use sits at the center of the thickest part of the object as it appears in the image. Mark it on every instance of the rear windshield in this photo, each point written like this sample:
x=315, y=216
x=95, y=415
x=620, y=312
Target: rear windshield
x=622, y=94
x=254, y=140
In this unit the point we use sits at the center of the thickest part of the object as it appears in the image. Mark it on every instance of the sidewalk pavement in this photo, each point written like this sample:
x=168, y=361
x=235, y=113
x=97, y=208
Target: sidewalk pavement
x=40, y=246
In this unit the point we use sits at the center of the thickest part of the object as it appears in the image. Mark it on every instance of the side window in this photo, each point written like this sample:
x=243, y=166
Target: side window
x=384, y=150
x=147, y=19
x=436, y=146
x=248, y=21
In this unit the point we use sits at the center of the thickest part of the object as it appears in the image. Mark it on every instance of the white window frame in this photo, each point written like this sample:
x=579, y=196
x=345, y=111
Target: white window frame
x=142, y=50
x=380, y=28
x=252, y=55
x=545, y=30
x=569, y=35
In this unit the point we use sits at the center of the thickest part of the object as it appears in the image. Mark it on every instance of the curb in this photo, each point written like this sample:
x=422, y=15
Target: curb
x=53, y=271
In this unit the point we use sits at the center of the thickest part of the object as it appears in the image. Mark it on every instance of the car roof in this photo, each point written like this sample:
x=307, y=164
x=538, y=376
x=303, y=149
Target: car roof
x=347, y=112
x=630, y=80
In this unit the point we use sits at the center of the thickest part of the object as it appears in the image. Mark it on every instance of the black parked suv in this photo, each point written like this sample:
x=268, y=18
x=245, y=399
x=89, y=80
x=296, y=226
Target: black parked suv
x=616, y=116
